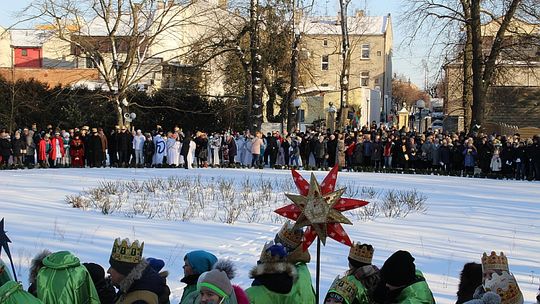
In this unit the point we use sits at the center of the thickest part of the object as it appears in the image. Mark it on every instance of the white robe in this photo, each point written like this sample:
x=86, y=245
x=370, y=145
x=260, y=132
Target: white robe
x=191, y=154
x=160, y=150
x=215, y=145
x=173, y=151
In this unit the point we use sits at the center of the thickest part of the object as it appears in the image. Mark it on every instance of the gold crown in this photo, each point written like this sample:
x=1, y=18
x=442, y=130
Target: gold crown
x=494, y=262
x=344, y=288
x=288, y=236
x=267, y=257
x=506, y=287
x=362, y=253
x=125, y=251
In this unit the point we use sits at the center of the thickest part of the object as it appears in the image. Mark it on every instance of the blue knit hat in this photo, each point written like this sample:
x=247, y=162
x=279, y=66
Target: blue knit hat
x=201, y=261
x=156, y=264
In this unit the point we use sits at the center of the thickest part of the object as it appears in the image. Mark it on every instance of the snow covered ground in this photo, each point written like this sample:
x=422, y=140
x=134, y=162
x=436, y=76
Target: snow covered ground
x=465, y=217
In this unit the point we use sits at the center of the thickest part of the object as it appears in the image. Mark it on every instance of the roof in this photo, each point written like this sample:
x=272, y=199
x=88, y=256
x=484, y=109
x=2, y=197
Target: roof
x=29, y=38
x=358, y=25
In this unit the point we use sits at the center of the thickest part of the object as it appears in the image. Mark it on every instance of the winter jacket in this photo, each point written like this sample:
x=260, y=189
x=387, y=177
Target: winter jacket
x=13, y=293
x=5, y=276
x=138, y=142
x=148, y=148
x=376, y=151
x=300, y=291
x=341, y=152
x=76, y=149
x=444, y=154
x=496, y=164
x=320, y=149
x=63, y=280
x=5, y=147
x=17, y=146
x=470, y=155
x=256, y=146
x=142, y=285
x=358, y=154
x=416, y=293
x=366, y=279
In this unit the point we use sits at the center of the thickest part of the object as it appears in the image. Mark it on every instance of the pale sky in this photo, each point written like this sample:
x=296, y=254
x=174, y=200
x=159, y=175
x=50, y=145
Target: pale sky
x=407, y=60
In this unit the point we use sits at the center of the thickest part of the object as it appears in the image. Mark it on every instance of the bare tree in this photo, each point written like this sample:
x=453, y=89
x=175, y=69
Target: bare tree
x=127, y=41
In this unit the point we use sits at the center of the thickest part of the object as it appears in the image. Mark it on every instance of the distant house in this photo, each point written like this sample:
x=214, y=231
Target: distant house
x=370, y=80
x=514, y=96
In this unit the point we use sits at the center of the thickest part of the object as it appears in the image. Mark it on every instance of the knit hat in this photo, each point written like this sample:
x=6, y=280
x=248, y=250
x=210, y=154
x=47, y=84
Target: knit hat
x=125, y=255
x=97, y=273
x=399, y=269
x=201, y=261
x=156, y=264
x=218, y=280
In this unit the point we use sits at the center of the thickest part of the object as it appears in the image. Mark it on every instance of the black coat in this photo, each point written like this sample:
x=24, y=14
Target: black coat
x=231, y=145
x=17, y=145
x=5, y=147
x=123, y=141
x=148, y=148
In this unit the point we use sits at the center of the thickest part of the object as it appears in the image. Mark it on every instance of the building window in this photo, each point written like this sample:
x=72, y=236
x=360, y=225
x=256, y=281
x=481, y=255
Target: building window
x=324, y=63
x=364, y=79
x=379, y=53
x=324, y=84
x=365, y=51
x=325, y=42
x=24, y=52
x=90, y=64
x=376, y=80
x=301, y=115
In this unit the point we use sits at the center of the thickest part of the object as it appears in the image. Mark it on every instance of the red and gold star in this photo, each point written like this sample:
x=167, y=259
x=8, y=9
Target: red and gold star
x=319, y=208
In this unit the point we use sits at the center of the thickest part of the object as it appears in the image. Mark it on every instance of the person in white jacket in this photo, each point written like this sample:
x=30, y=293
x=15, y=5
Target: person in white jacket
x=138, y=144
x=496, y=164
x=215, y=145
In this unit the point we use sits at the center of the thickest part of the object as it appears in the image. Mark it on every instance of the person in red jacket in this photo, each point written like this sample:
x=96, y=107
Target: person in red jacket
x=76, y=149
x=45, y=147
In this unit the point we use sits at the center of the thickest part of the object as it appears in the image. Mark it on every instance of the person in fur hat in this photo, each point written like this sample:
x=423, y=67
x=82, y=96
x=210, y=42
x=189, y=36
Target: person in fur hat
x=195, y=263
x=136, y=280
x=35, y=266
x=63, y=280
x=470, y=279
x=215, y=287
x=401, y=282
x=275, y=279
x=362, y=273
x=291, y=239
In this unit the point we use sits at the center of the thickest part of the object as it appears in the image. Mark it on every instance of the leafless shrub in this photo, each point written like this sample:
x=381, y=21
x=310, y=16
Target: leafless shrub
x=77, y=201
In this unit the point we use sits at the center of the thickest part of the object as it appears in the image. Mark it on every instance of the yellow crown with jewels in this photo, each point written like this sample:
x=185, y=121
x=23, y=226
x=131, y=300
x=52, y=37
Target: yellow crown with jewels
x=494, y=262
x=362, y=253
x=288, y=236
x=345, y=288
x=126, y=251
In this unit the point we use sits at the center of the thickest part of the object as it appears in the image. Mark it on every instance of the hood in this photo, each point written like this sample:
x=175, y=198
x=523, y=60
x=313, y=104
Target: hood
x=37, y=263
x=143, y=277
x=61, y=260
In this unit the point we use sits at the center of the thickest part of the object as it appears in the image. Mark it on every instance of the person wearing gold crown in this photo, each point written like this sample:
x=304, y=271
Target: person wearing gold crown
x=342, y=291
x=499, y=286
x=275, y=279
x=362, y=273
x=136, y=280
x=291, y=239
x=63, y=280
x=401, y=282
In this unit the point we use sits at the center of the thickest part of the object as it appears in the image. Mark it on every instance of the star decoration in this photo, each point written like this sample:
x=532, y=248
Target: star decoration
x=319, y=208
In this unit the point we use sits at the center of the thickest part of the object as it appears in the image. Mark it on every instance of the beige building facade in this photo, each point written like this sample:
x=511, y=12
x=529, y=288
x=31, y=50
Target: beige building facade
x=371, y=43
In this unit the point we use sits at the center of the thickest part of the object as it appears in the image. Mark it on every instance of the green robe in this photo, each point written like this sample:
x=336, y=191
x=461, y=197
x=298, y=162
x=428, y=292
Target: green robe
x=417, y=293
x=301, y=292
x=13, y=293
x=361, y=293
x=5, y=275
x=63, y=280
x=189, y=295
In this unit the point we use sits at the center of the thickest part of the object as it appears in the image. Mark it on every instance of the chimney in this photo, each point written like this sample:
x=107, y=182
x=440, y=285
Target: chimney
x=160, y=4
x=360, y=13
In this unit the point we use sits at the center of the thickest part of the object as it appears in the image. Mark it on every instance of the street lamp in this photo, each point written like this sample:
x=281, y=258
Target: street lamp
x=420, y=104
x=297, y=103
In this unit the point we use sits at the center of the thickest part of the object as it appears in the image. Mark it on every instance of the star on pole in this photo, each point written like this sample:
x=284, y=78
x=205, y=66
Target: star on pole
x=319, y=208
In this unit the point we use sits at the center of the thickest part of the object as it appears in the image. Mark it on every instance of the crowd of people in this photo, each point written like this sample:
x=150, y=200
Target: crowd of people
x=280, y=276
x=373, y=147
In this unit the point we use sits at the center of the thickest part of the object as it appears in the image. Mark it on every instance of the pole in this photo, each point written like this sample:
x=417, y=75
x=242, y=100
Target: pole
x=318, y=271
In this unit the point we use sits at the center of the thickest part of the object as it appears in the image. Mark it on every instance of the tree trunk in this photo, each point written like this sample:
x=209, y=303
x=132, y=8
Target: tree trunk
x=479, y=96
x=292, y=116
x=256, y=74
x=467, y=99
x=345, y=56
